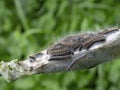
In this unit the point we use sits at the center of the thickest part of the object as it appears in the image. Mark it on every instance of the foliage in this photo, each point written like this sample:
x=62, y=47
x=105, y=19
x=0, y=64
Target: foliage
x=28, y=26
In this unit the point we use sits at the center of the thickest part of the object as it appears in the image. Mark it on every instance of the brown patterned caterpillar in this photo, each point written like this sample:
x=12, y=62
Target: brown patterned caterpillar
x=110, y=30
x=66, y=48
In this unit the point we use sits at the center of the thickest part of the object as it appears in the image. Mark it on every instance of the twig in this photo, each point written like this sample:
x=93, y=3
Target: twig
x=48, y=62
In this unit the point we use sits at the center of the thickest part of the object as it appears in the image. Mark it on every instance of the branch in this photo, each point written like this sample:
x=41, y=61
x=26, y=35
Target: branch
x=98, y=53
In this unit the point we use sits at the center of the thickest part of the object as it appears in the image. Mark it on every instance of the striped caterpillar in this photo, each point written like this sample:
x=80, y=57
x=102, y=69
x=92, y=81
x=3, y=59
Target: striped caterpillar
x=68, y=46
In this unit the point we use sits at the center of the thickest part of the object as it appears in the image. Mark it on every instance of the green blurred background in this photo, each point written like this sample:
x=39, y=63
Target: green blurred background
x=28, y=26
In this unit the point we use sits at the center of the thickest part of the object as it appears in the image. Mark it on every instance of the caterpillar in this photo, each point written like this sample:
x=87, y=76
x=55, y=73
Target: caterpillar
x=66, y=48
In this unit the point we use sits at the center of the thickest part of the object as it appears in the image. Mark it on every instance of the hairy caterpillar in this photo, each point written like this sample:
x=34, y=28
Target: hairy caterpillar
x=66, y=48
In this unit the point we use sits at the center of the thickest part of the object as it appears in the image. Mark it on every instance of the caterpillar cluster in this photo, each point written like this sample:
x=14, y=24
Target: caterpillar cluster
x=65, y=48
